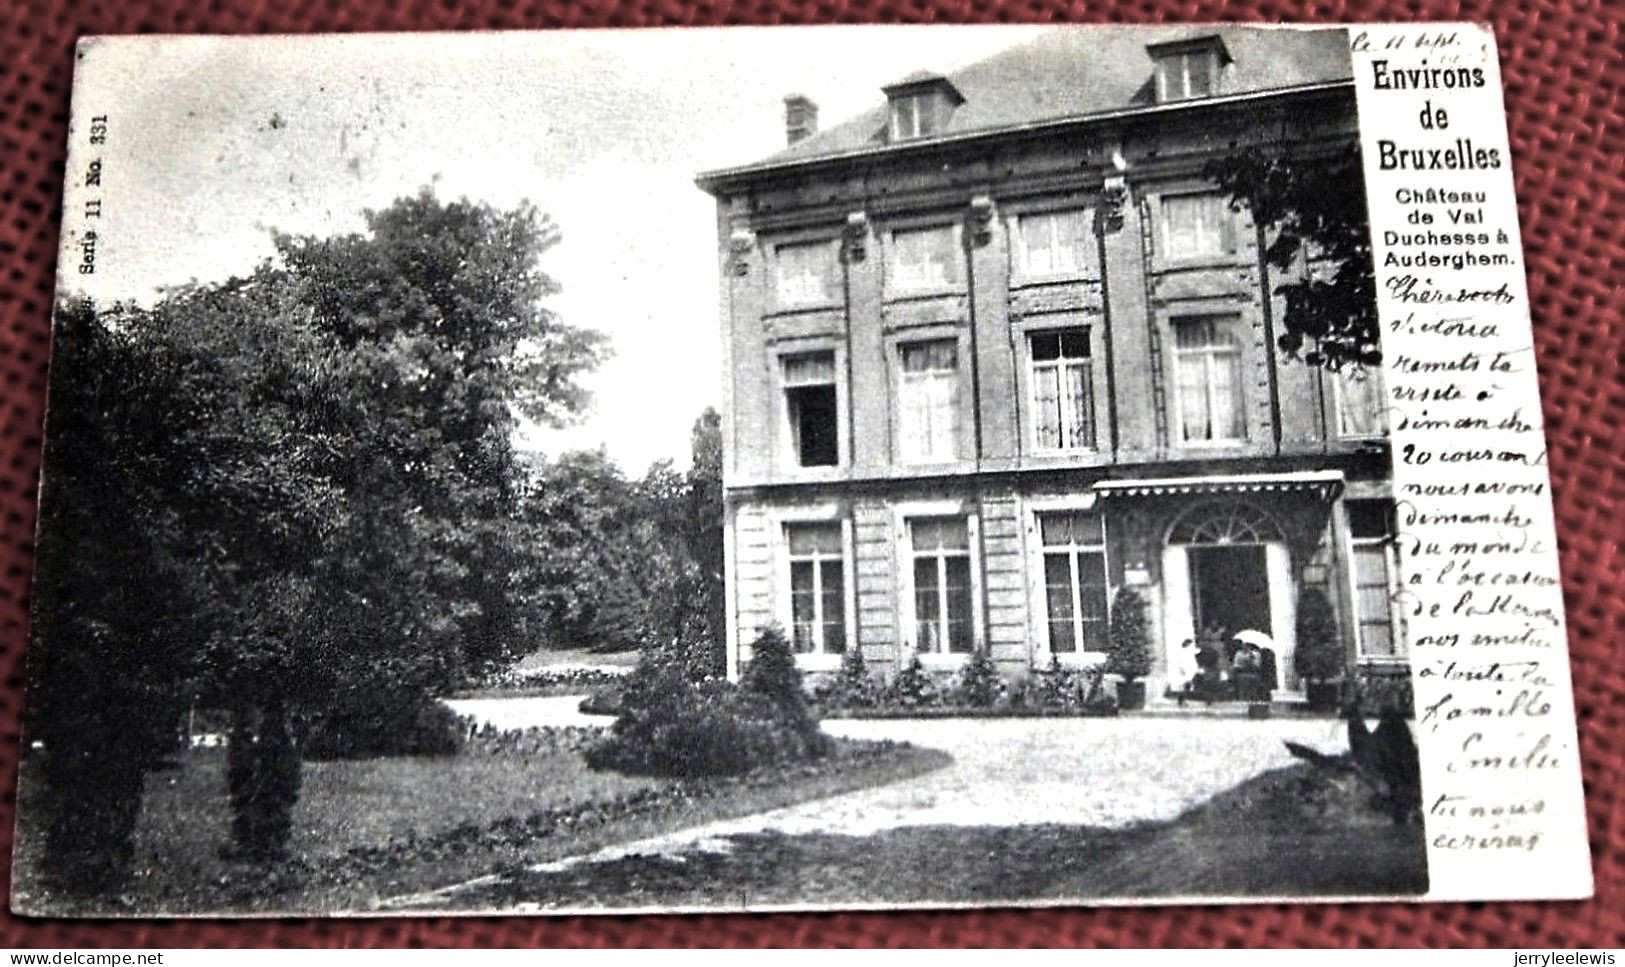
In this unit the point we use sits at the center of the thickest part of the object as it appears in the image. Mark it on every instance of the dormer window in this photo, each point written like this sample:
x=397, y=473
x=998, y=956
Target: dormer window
x=910, y=117
x=921, y=105
x=1189, y=69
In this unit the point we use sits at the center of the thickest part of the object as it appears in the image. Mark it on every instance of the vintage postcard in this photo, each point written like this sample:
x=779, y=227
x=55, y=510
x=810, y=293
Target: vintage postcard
x=809, y=468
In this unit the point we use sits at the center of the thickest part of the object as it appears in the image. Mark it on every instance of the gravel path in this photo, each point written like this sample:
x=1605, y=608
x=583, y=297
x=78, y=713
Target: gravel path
x=1108, y=773
x=1013, y=772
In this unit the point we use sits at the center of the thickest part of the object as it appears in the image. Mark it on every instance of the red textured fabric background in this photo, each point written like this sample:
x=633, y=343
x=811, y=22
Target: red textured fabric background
x=1563, y=68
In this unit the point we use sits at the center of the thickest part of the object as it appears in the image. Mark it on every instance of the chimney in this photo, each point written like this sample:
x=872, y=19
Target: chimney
x=800, y=118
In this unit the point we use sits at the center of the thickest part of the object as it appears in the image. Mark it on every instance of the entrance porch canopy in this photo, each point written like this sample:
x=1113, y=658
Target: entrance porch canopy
x=1322, y=484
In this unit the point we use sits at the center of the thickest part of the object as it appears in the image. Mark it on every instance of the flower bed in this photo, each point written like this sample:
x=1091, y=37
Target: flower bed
x=1106, y=710
x=974, y=691
x=543, y=682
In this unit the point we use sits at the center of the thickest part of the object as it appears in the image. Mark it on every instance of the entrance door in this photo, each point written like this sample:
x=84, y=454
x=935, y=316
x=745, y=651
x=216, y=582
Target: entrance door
x=1230, y=587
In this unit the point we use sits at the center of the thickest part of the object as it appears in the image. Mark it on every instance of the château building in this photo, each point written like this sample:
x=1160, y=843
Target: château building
x=996, y=349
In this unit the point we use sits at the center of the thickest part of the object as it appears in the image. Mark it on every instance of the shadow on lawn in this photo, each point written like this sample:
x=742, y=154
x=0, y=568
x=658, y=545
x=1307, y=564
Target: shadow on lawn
x=1292, y=832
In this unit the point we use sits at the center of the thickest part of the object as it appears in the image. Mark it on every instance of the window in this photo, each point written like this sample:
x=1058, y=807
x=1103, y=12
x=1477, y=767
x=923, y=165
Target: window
x=928, y=398
x=810, y=405
x=1361, y=409
x=1074, y=581
x=817, y=588
x=1371, y=536
x=1063, y=398
x=1208, y=367
x=940, y=555
x=911, y=116
x=1181, y=76
x=1194, y=226
x=923, y=260
x=1053, y=243
x=804, y=274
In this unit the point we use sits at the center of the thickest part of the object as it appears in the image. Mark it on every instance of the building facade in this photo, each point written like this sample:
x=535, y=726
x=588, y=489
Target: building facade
x=997, y=349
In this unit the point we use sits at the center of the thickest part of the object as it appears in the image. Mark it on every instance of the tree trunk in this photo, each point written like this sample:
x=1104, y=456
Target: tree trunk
x=262, y=774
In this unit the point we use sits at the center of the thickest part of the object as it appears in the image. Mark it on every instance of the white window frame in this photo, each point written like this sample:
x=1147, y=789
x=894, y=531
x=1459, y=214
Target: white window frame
x=954, y=378
x=784, y=608
x=1230, y=320
x=1060, y=364
x=1038, y=592
x=918, y=104
x=823, y=281
x=1339, y=380
x=790, y=452
x=1210, y=63
x=1024, y=269
x=1390, y=556
x=1165, y=234
x=900, y=284
x=903, y=514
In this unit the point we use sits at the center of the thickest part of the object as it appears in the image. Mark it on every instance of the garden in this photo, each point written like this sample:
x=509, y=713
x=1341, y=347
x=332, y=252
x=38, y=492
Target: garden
x=367, y=828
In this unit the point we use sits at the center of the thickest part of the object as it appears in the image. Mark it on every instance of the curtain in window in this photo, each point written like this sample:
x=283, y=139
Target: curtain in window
x=957, y=592
x=833, y=588
x=1062, y=395
x=803, y=606
x=942, y=585
x=804, y=273
x=1371, y=594
x=1209, y=379
x=1058, y=596
x=1195, y=225
x=817, y=588
x=1074, y=580
x=923, y=259
x=927, y=600
x=809, y=369
x=1360, y=403
x=929, y=401
x=1054, y=243
x=1371, y=532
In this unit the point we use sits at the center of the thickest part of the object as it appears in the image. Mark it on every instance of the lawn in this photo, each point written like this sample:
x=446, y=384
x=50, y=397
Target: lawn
x=368, y=830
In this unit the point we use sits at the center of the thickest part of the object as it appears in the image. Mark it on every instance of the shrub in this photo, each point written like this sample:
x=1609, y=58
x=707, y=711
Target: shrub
x=773, y=677
x=1055, y=687
x=703, y=656
x=670, y=726
x=772, y=673
x=1319, y=654
x=604, y=701
x=851, y=687
x=1130, y=633
x=912, y=688
x=386, y=724
x=715, y=730
x=1060, y=687
x=980, y=685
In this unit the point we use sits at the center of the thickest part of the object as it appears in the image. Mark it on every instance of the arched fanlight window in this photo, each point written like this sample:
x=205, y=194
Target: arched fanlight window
x=1224, y=522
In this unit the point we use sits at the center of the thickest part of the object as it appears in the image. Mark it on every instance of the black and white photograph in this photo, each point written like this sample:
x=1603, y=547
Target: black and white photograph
x=718, y=470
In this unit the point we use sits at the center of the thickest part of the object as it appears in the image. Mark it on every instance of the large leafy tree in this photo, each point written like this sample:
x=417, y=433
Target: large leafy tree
x=624, y=564
x=1312, y=210
x=294, y=493
x=704, y=523
x=580, y=509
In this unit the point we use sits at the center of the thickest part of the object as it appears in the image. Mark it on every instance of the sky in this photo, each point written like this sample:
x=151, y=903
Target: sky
x=214, y=143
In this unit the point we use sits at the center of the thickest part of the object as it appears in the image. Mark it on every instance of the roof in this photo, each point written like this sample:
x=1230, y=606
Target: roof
x=1077, y=71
